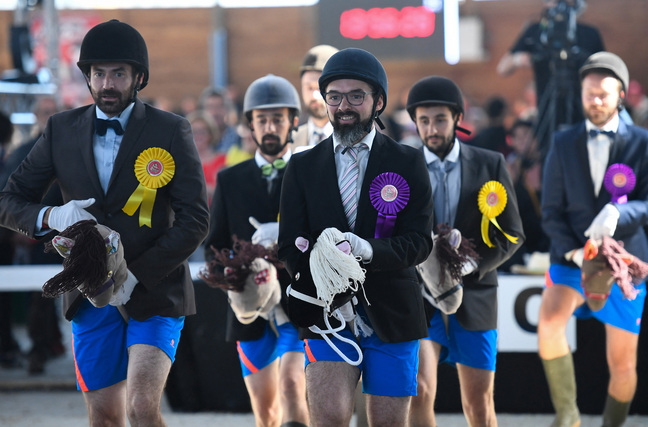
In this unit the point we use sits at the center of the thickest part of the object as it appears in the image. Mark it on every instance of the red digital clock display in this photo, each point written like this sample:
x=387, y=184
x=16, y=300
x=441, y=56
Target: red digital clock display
x=387, y=23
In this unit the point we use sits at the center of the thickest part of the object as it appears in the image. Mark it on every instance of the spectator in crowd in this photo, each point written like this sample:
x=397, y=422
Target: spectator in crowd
x=217, y=104
x=493, y=137
x=248, y=147
x=9, y=348
x=317, y=126
x=637, y=104
x=206, y=137
x=43, y=320
x=188, y=104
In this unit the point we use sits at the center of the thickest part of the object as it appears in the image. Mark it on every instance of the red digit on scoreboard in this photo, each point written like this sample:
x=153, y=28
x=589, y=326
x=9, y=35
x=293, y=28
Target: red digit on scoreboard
x=389, y=22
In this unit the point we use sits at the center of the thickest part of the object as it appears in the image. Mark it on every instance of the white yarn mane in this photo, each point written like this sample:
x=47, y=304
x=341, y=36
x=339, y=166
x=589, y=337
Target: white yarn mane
x=333, y=271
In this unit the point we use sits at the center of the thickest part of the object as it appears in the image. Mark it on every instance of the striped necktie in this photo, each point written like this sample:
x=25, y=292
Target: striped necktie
x=441, y=196
x=348, y=186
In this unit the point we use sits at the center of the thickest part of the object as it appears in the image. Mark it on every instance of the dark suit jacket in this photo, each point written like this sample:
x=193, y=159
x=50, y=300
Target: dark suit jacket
x=311, y=202
x=478, y=310
x=568, y=201
x=156, y=255
x=241, y=192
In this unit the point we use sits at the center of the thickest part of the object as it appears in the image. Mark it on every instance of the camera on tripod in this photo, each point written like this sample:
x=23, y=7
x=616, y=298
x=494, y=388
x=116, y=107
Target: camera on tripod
x=558, y=34
x=559, y=51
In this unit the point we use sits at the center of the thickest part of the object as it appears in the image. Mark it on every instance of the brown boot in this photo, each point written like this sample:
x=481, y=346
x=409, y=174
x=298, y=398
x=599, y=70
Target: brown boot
x=562, y=388
x=615, y=412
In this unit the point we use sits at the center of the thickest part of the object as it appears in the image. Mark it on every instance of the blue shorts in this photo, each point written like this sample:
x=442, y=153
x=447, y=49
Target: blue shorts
x=101, y=339
x=617, y=311
x=257, y=354
x=477, y=349
x=388, y=369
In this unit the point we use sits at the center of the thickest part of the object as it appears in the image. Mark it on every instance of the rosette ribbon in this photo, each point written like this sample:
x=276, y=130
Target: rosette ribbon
x=154, y=168
x=389, y=194
x=619, y=181
x=492, y=200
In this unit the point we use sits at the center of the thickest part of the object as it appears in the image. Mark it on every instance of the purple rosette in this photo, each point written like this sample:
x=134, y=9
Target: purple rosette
x=389, y=194
x=619, y=181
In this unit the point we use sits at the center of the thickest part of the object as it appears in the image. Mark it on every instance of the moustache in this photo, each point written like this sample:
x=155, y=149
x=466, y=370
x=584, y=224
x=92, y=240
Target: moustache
x=270, y=139
x=109, y=93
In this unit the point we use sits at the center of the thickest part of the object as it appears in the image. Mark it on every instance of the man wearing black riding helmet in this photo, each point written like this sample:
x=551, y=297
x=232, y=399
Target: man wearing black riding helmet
x=377, y=193
x=134, y=169
x=458, y=173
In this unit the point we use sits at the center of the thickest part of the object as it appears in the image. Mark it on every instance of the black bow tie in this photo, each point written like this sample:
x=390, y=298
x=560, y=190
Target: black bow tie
x=593, y=133
x=101, y=126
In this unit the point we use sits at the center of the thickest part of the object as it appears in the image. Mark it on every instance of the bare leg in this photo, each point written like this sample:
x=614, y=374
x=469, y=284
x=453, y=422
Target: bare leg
x=388, y=411
x=558, y=304
x=148, y=369
x=329, y=391
x=263, y=389
x=107, y=406
x=422, y=408
x=477, y=395
x=622, y=361
x=292, y=386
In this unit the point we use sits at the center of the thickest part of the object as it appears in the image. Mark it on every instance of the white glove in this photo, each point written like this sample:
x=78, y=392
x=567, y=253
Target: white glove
x=266, y=234
x=604, y=224
x=576, y=256
x=123, y=294
x=61, y=217
x=359, y=247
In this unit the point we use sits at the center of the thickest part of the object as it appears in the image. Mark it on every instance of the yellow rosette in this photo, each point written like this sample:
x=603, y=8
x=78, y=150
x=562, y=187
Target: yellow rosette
x=154, y=168
x=492, y=201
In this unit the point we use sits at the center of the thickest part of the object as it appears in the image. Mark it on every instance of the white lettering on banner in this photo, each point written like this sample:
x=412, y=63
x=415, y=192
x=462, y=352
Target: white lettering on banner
x=519, y=298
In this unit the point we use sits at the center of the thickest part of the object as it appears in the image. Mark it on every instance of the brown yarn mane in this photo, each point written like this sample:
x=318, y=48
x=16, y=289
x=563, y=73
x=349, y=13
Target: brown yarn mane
x=626, y=276
x=450, y=260
x=85, y=265
x=239, y=259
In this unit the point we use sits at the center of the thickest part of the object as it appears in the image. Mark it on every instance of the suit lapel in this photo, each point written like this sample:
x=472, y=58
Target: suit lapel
x=129, y=143
x=83, y=134
x=326, y=173
x=259, y=188
x=375, y=166
x=617, y=150
x=469, y=175
x=582, y=158
x=618, y=146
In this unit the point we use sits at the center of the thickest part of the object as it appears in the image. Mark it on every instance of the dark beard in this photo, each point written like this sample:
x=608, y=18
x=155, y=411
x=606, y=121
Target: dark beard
x=113, y=108
x=444, y=148
x=348, y=135
x=271, y=145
